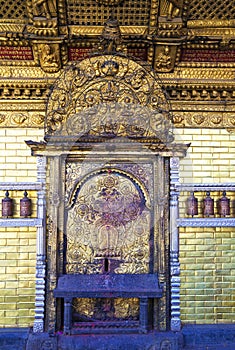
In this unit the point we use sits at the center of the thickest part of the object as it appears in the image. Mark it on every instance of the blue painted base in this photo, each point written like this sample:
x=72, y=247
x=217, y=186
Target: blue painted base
x=150, y=341
x=209, y=337
x=13, y=338
x=192, y=337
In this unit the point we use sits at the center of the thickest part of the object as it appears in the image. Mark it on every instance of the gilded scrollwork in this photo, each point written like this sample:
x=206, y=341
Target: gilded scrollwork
x=112, y=96
x=75, y=172
x=105, y=309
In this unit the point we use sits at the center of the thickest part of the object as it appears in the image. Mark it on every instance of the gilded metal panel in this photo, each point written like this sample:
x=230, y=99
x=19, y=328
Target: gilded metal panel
x=109, y=217
x=95, y=13
x=13, y=9
x=216, y=10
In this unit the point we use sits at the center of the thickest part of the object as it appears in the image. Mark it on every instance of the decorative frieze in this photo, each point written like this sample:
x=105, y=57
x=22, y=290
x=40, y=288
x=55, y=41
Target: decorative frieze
x=22, y=119
x=184, y=115
x=202, y=119
x=26, y=222
x=206, y=222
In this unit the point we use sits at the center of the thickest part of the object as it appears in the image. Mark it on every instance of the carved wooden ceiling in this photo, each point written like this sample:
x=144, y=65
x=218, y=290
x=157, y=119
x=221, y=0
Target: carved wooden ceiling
x=190, y=44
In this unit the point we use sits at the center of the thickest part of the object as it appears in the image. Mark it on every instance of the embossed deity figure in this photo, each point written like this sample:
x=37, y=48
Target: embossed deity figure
x=164, y=59
x=110, y=40
x=45, y=8
x=49, y=58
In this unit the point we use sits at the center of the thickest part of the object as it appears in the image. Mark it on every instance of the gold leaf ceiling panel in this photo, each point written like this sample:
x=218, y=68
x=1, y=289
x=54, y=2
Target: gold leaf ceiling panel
x=190, y=44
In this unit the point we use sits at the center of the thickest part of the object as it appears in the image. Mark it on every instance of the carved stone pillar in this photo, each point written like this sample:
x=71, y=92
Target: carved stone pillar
x=41, y=254
x=174, y=244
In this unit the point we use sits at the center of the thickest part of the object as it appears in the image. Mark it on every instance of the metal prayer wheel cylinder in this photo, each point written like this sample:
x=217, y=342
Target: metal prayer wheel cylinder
x=208, y=205
x=192, y=205
x=224, y=205
x=25, y=206
x=7, y=206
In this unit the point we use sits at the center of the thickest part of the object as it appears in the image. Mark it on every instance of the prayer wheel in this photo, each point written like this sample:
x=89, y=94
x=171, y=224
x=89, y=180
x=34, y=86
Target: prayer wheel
x=192, y=205
x=7, y=206
x=208, y=205
x=25, y=206
x=224, y=205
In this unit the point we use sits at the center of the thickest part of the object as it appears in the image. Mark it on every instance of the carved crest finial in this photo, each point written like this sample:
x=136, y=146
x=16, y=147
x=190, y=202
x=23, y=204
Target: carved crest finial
x=110, y=40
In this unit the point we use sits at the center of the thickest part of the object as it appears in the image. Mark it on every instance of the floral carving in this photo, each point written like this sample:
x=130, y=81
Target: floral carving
x=216, y=119
x=198, y=119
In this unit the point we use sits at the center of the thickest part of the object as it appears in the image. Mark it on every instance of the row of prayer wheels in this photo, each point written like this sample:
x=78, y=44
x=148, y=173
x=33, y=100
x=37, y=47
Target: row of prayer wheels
x=8, y=206
x=208, y=208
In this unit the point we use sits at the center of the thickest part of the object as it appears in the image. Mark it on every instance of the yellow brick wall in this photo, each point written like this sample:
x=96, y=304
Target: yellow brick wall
x=207, y=254
x=17, y=245
x=211, y=156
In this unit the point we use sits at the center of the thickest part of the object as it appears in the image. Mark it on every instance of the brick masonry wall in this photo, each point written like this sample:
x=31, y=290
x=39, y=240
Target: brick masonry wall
x=17, y=245
x=206, y=255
